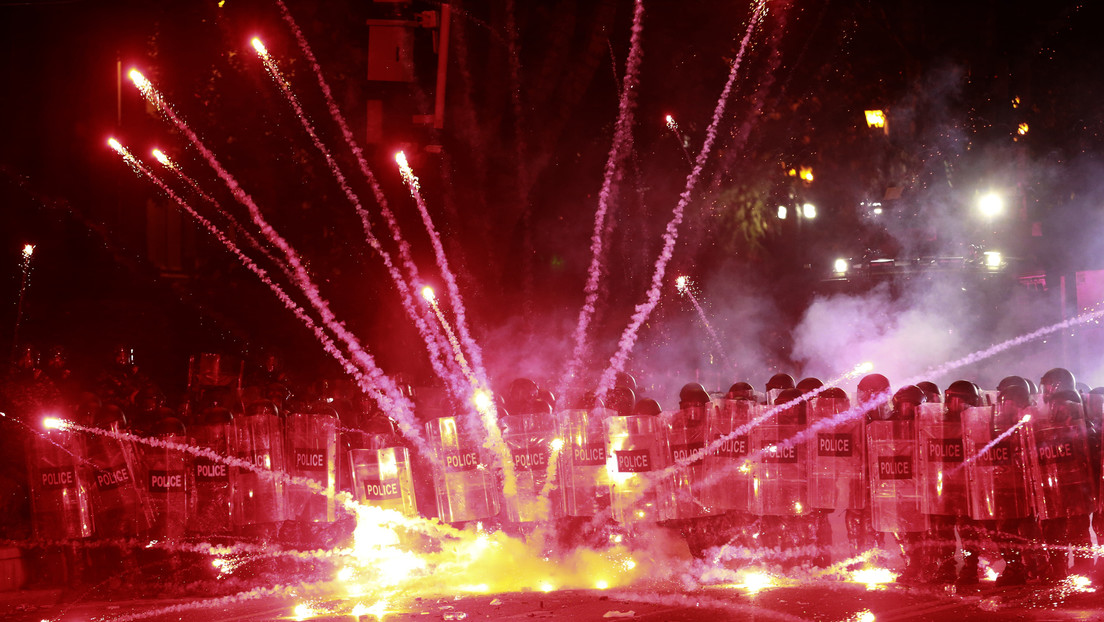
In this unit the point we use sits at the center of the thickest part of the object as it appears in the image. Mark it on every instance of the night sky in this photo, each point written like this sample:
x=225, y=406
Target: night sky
x=512, y=179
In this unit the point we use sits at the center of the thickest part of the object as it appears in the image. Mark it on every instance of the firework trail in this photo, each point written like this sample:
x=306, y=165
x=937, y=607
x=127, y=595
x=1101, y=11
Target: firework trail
x=390, y=398
x=686, y=288
x=168, y=163
x=991, y=444
x=673, y=126
x=670, y=236
x=338, y=118
x=327, y=343
x=24, y=282
x=622, y=143
x=405, y=294
x=457, y=351
x=443, y=264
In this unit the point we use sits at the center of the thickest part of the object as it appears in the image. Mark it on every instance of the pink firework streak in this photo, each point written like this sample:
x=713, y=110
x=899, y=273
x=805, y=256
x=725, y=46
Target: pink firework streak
x=686, y=288
x=442, y=263
x=238, y=228
x=409, y=425
x=622, y=143
x=670, y=236
x=391, y=399
x=405, y=294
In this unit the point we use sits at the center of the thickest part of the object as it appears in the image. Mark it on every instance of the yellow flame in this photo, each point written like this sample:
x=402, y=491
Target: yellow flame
x=806, y=174
x=162, y=158
x=873, y=578
x=601, y=584
x=1022, y=129
x=303, y=611
x=547, y=587
x=755, y=582
x=482, y=400
x=54, y=423
x=865, y=615
x=257, y=45
x=875, y=118
x=557, y=444
x=1080, y=583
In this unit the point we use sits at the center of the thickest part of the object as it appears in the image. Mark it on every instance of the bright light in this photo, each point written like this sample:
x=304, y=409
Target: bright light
x=28, y=250
x=138, y=79
x=877, y=211
x=798, y=508
x=841, y=266
x=54, y=423
x=547, y=587
x=863, y=368
x=115, y=145
x=162, y=158
x=601, y=585
x=1022, y=129
x=1080, y=583
x=400, y=158
x=755, y=582
x=482, y=400
x=257, y=45
x=671, y=122
x=1025, y=419
x=680, y=283
x=303, y=611
x=806, y=174
x=781, y=212
x=864, y=616
x=808, y=210
x=991, y=204
x=873, y=577
x=557, y=444
x=992, y=259
x=875, y=118
x=427, y=293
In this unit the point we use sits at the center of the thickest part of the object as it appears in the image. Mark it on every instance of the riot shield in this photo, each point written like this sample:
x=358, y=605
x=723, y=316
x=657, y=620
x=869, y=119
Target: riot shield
x=779, y=471
x=1062, y=482
x=383, y=478
x=120, y=500
x=209, y=510
x=837, y=465
x=894, y=485
x=686, y=430
x=942, y=476
x=637, y=451
x=167, y=482
x=60, y=487
x=996, y=459
x=583, y=480
x=312, y=461
x=727, y=470
x=258, y=482
x=528, y=439
x=465, y=485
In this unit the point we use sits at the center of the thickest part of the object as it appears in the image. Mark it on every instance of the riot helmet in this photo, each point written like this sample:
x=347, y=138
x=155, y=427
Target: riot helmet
x=647, y=407
x=793, y=414
x=1055, y=380
x=740, y=391
x=960, y=395
x=693, y=394
x=906, y=401
x=931, y=391
x=622, y=400
x=810, y=384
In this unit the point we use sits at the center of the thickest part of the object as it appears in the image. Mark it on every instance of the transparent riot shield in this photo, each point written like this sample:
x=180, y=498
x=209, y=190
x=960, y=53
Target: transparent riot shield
x=583, y=478
x=637, y=450
x=60, y=487
x=727, y=470
x=528, y=439
x=383, y=478
x=686, y=430
x=837, y=462
x=312, y=462
x=465, y=485
x=1062, y=482
x=209, y=511
x=942, y=476
x=120, y=501
x=779, y=471
x=894, y=485
x=167, y=482
x=258, y=481
x=996, y=465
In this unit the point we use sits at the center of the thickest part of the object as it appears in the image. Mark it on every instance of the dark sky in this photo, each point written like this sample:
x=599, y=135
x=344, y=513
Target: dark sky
x=515, y=197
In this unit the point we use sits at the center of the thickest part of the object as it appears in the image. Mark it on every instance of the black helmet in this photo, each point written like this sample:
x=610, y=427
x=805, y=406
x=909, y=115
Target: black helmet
x=793, y=414
x=740, y=391
x=1057, y=379
x=808, y=385
x=833, y=393
x=1015, y=396
x=871, y=385
x=520, y=393
x=693, y=394
x=931, y=390
x=962, y=394
x=780, y=381
x=831, y=401
x=1009, y=381
x=168, y=425
x=647, y=406
x=905, y=402
x=624, y=379
x=621, y=400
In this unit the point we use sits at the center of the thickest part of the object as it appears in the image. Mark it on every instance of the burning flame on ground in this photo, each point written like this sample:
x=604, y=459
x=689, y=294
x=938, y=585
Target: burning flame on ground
x=873, y=578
